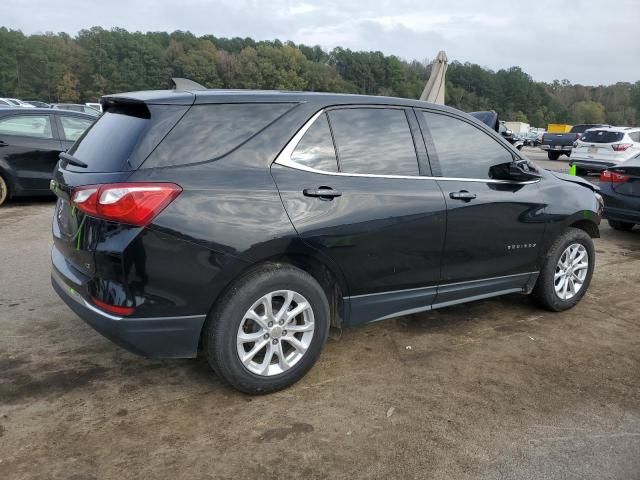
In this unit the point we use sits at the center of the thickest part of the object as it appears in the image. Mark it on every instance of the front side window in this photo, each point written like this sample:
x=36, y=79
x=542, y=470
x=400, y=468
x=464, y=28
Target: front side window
x=374, y=141
x=74, y=127
x=463, y=150
x=315, y=149
x=38, y=126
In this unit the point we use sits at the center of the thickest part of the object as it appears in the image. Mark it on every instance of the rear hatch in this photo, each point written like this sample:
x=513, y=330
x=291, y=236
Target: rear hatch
x=112, y=149
x=604, y=145
x=626, y=179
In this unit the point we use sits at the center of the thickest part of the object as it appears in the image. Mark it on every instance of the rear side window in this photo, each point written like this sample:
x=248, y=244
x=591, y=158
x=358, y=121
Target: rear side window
x=208, y=132
x=37, y=126
x=602, y=136
x=463, y=150
x=124, y=136
x=374, y=141
x=315, y=149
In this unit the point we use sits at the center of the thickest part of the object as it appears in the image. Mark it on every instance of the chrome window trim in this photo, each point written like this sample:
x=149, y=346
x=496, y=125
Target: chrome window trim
x=284, y=159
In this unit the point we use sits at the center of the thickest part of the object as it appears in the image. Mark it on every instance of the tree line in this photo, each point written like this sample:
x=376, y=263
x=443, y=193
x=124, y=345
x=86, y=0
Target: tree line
x=63, y=68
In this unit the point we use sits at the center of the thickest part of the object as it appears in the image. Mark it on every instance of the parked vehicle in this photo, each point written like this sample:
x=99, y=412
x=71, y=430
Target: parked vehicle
x=556, y=144
x=38, y=103
x=620, y=187
x=96, y=106
x=490, y=119
x=245, y=223
x=30, y=141
x=604, y=147
x=18, y=103
x=76, y=107
x=4, y=103
x=518, y=128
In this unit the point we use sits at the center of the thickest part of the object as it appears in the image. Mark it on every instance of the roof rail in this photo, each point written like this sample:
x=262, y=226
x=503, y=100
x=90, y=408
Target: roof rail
x=185, y=84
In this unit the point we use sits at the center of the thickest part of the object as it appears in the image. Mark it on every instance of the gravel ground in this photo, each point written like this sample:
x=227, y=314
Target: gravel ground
x=493, y=389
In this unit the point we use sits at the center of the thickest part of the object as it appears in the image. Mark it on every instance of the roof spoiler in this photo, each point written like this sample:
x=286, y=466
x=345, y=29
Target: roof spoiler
x=185, y=84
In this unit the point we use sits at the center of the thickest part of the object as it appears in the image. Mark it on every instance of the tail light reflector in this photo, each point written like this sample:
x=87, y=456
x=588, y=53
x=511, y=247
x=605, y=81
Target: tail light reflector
x=621, y=147
x=115, y=309
x=131, y=203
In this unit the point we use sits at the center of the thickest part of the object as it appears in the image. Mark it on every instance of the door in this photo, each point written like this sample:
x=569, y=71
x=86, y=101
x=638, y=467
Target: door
x=350, y=182
x=494, y=225
x=28, y=151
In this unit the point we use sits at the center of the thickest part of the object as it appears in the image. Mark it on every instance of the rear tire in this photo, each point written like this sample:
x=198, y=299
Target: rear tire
x=549, y=290
x=553, y=155
x=256, y=321
x=623, y=226
x=4, y=191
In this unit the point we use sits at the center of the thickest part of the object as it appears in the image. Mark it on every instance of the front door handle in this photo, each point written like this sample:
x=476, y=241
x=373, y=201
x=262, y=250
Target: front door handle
x=462, y=195
x=322, y=192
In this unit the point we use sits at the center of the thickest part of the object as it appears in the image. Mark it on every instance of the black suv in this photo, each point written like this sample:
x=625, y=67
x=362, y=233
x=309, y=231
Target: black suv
x=243, y=224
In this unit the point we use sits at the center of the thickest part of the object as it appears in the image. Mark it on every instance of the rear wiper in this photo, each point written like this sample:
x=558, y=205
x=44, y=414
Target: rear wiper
x=72, y=160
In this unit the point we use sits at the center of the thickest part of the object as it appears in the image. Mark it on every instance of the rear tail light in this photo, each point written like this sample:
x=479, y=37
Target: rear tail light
x=131, y=203
x=621, y=147
x=613, y=177
x=115, y=309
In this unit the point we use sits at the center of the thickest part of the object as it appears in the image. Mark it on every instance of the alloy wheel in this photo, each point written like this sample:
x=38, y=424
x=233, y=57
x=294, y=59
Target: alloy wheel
x=571, y=271
x=275, y=332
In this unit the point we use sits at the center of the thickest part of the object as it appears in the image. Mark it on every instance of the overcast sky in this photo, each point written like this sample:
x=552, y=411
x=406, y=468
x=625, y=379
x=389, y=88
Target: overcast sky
x=586, y=41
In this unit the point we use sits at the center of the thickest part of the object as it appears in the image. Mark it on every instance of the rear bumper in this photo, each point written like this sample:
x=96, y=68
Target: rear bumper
x=157, y=337
x=621, y=215
x=556, y=148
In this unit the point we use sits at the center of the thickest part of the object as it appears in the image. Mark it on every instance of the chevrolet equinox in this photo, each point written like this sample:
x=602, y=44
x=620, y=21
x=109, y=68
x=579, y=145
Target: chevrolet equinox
x=243, y=224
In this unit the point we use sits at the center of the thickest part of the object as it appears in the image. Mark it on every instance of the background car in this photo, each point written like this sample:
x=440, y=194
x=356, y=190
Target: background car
x=97, y=106
x=556, y=144
x=620, y=189
x=4, y=103
x=30, y=141
x=76, y=107
x=38, y=103
x=600, y=148
x=19, y=103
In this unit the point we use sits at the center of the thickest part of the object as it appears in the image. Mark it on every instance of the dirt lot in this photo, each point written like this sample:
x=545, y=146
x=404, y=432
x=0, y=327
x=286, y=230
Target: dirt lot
x=495, y=389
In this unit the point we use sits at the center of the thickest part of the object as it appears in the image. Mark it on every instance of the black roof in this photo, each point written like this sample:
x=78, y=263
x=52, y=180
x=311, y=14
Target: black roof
x=190, y=97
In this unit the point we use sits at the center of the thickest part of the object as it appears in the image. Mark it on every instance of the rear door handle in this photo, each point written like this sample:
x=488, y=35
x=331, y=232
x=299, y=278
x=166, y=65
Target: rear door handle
x=322, y=192
x=462, y=195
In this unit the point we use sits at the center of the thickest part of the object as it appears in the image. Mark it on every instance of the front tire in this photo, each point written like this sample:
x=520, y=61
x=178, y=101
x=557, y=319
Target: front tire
x=4, y=190
x=567, y=271
x=268, y=330
x=553, y=155
x=623, y=226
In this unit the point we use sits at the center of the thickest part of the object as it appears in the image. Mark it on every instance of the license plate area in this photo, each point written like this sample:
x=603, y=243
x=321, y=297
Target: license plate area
x=592, y=150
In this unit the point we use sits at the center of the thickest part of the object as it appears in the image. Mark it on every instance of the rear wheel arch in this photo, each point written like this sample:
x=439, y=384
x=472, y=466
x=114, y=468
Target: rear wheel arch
x=330, y=281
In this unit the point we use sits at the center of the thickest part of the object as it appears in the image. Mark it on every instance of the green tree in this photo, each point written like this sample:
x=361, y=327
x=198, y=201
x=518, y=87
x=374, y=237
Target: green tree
x=589, y=112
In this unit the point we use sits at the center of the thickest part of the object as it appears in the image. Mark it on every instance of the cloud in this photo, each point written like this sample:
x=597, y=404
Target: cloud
x=584, y=41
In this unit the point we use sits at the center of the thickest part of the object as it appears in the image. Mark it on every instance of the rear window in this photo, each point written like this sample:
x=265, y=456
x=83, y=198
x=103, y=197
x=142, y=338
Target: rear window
x=208, y=132
x=583, y=128
x=602, y=136
x=124, y=136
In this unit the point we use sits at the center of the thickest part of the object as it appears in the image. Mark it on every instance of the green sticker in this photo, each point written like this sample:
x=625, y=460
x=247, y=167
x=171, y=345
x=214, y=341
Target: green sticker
x=572, y=170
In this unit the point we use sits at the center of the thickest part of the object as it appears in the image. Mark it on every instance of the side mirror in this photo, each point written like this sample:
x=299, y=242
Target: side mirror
x=522, y=171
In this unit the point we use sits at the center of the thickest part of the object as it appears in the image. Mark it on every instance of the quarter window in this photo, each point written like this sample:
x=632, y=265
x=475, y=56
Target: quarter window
x=463, y=151
x=374, y=140
x=38, y=126
x=315, y=149
x=74, y=127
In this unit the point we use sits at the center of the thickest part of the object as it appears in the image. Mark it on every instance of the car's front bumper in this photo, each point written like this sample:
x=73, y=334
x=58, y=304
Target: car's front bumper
x=158, y=337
